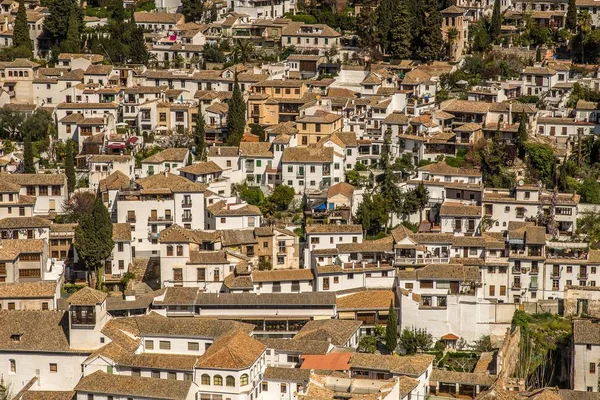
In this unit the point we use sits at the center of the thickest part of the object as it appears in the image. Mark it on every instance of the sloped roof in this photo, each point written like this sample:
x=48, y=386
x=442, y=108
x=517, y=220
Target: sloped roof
x=337, y=330
x=86, y=297
x=232, y=351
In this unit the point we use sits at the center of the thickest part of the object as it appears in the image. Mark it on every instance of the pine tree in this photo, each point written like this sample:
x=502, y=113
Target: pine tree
x=72, y=43
x=93, y=237
x=571, y=20
x=70, y=167
x=401, y=34
x=199, y=137
x=21, y=40
x=236, y=116
x=522, y=136
x=391, y=329
x=496, y=24
x=28, y=165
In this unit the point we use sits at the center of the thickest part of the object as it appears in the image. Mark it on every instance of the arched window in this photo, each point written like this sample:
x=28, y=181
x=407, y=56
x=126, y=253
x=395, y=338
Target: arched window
x=169, y=250
x=205, y=379
x=13, y=366
x=230, y=381
x=180, y=250
x=244, y=380
x=218, y=380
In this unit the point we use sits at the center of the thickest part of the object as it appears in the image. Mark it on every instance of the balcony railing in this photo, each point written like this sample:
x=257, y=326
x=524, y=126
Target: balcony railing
x=130, y=220
x=153, y=235
x=555, y=274
x=414, y=260
x=186, y=203
x=534, y=271
x=186, y=218
x=516, y=286
x=582, y=276
x=166, y=218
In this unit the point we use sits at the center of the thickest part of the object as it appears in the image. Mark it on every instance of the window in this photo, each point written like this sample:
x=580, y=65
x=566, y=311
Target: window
x=178, y=274
x=441, y=301
x=265, y=386
x=201, y=274
x=502, y=290
x=121, y=264
x=149, y=344
x=244, y=380
x=136, y=372
x=230, y=381
x=492, y=290
x=155, y=374
x=53, y=367
x=336, y=279
x=426, y=284
x=592, y=368
x=205, y=379
x=165, y=345
x=283, y=388
x=193, y=346
x=179, y=251
x=218, y=380
x=588, y=346
x=120, y=246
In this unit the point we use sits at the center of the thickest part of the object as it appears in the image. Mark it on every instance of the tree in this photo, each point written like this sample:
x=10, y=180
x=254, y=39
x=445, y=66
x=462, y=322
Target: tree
x=391, y=329
x=251, y=195
x=400, y=36
x=28, y=165
x=366, y=30
x=415, y=339
x=496, y=24
x=70, y=167
x=571, y=19
x=193, y=10
x=200, y=137
x=282, y=196
x=541, y=163
x=243, y=50
x=21, y=40
x=56, y=23
x=236, y=116
x=452, y=37
x=138, y=52
x=522, y=136
x=8, y=146
x=37, y=124
x=431, y=40
x=368, y=344
x=372, y=213
x=589, y=225
x=79, y=205
x=72, y=43
x=421, y=194
x=93, y=237
x=584, y=21
x=590, y=191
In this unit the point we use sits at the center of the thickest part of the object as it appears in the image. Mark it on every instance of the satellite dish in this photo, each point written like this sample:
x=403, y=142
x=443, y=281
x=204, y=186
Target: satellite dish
x=520, y=182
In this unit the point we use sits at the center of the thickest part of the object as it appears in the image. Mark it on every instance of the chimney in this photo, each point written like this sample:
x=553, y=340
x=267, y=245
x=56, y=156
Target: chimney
x=510, y=113
x=5, y=27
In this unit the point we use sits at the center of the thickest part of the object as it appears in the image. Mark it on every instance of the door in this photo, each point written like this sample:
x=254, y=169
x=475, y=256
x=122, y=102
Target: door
x=454, y=287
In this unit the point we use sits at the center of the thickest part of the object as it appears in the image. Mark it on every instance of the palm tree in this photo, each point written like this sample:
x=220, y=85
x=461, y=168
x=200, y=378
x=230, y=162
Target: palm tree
x=243, y=50
x=452, y=37
x=584, y=22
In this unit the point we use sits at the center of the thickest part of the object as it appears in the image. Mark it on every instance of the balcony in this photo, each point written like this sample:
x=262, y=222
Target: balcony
x=414, y=260
x=582, y=276
x=131, y=220
x=249, y=167
x=534, y=271
x=153, y=235
x=516, y=286
x=166, y=218
x=186, y=218
x=186, y=203
x=516, y=270
x=300, y=174
x=555, y=274
x=533, y=286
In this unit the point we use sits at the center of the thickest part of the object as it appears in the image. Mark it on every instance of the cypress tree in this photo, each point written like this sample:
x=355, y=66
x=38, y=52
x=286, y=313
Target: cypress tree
x=138, y=52
x=571, y=20
x=496, y=23
x=431, y=40
x=21, y=40
x=70, y=167
x=93, y=237
x=56, y=23
x=385, y=18
x=199, y=137
x=72, y=43
x=391, y=329
x=28, y=166
x=400, y=33
x=236, y=116
x=522, y=136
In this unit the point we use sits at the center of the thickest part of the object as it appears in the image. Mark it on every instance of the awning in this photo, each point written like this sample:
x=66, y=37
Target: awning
x=567, y=245
x=346, y=315
x=133, y=140
x=117, y=145
x=516, y=241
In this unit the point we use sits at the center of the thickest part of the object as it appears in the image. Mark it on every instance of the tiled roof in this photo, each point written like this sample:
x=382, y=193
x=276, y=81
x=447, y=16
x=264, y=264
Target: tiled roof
x=441, y=168
x=223, y=151
x=208, y=257
x=125, y=385
x=171, y=154
x=12, y=248
x=176, y=183
x=255, y=149
x=414, y=365
x=122, y=232
x=586, y=332
x=366, y=299
x=460, y=210
x=297, y=345
x=333, y=228
x=86, y=297
x=202, y=168
x=99, y=70
x=47, y=395
x=115, y=181
x=23, y=290
x=24, y=223
x=234, y=237
x=282, y=275
x=286, y=299
x=319, y=116
x=220, y=209
x=36, y=331
x=463, y=378
x=286, y=374
x=465, y=106
x=157, y=17
x=337, y=330
x=448, y=272
x=232, y=351
x=342, y=188
x=35, y=179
